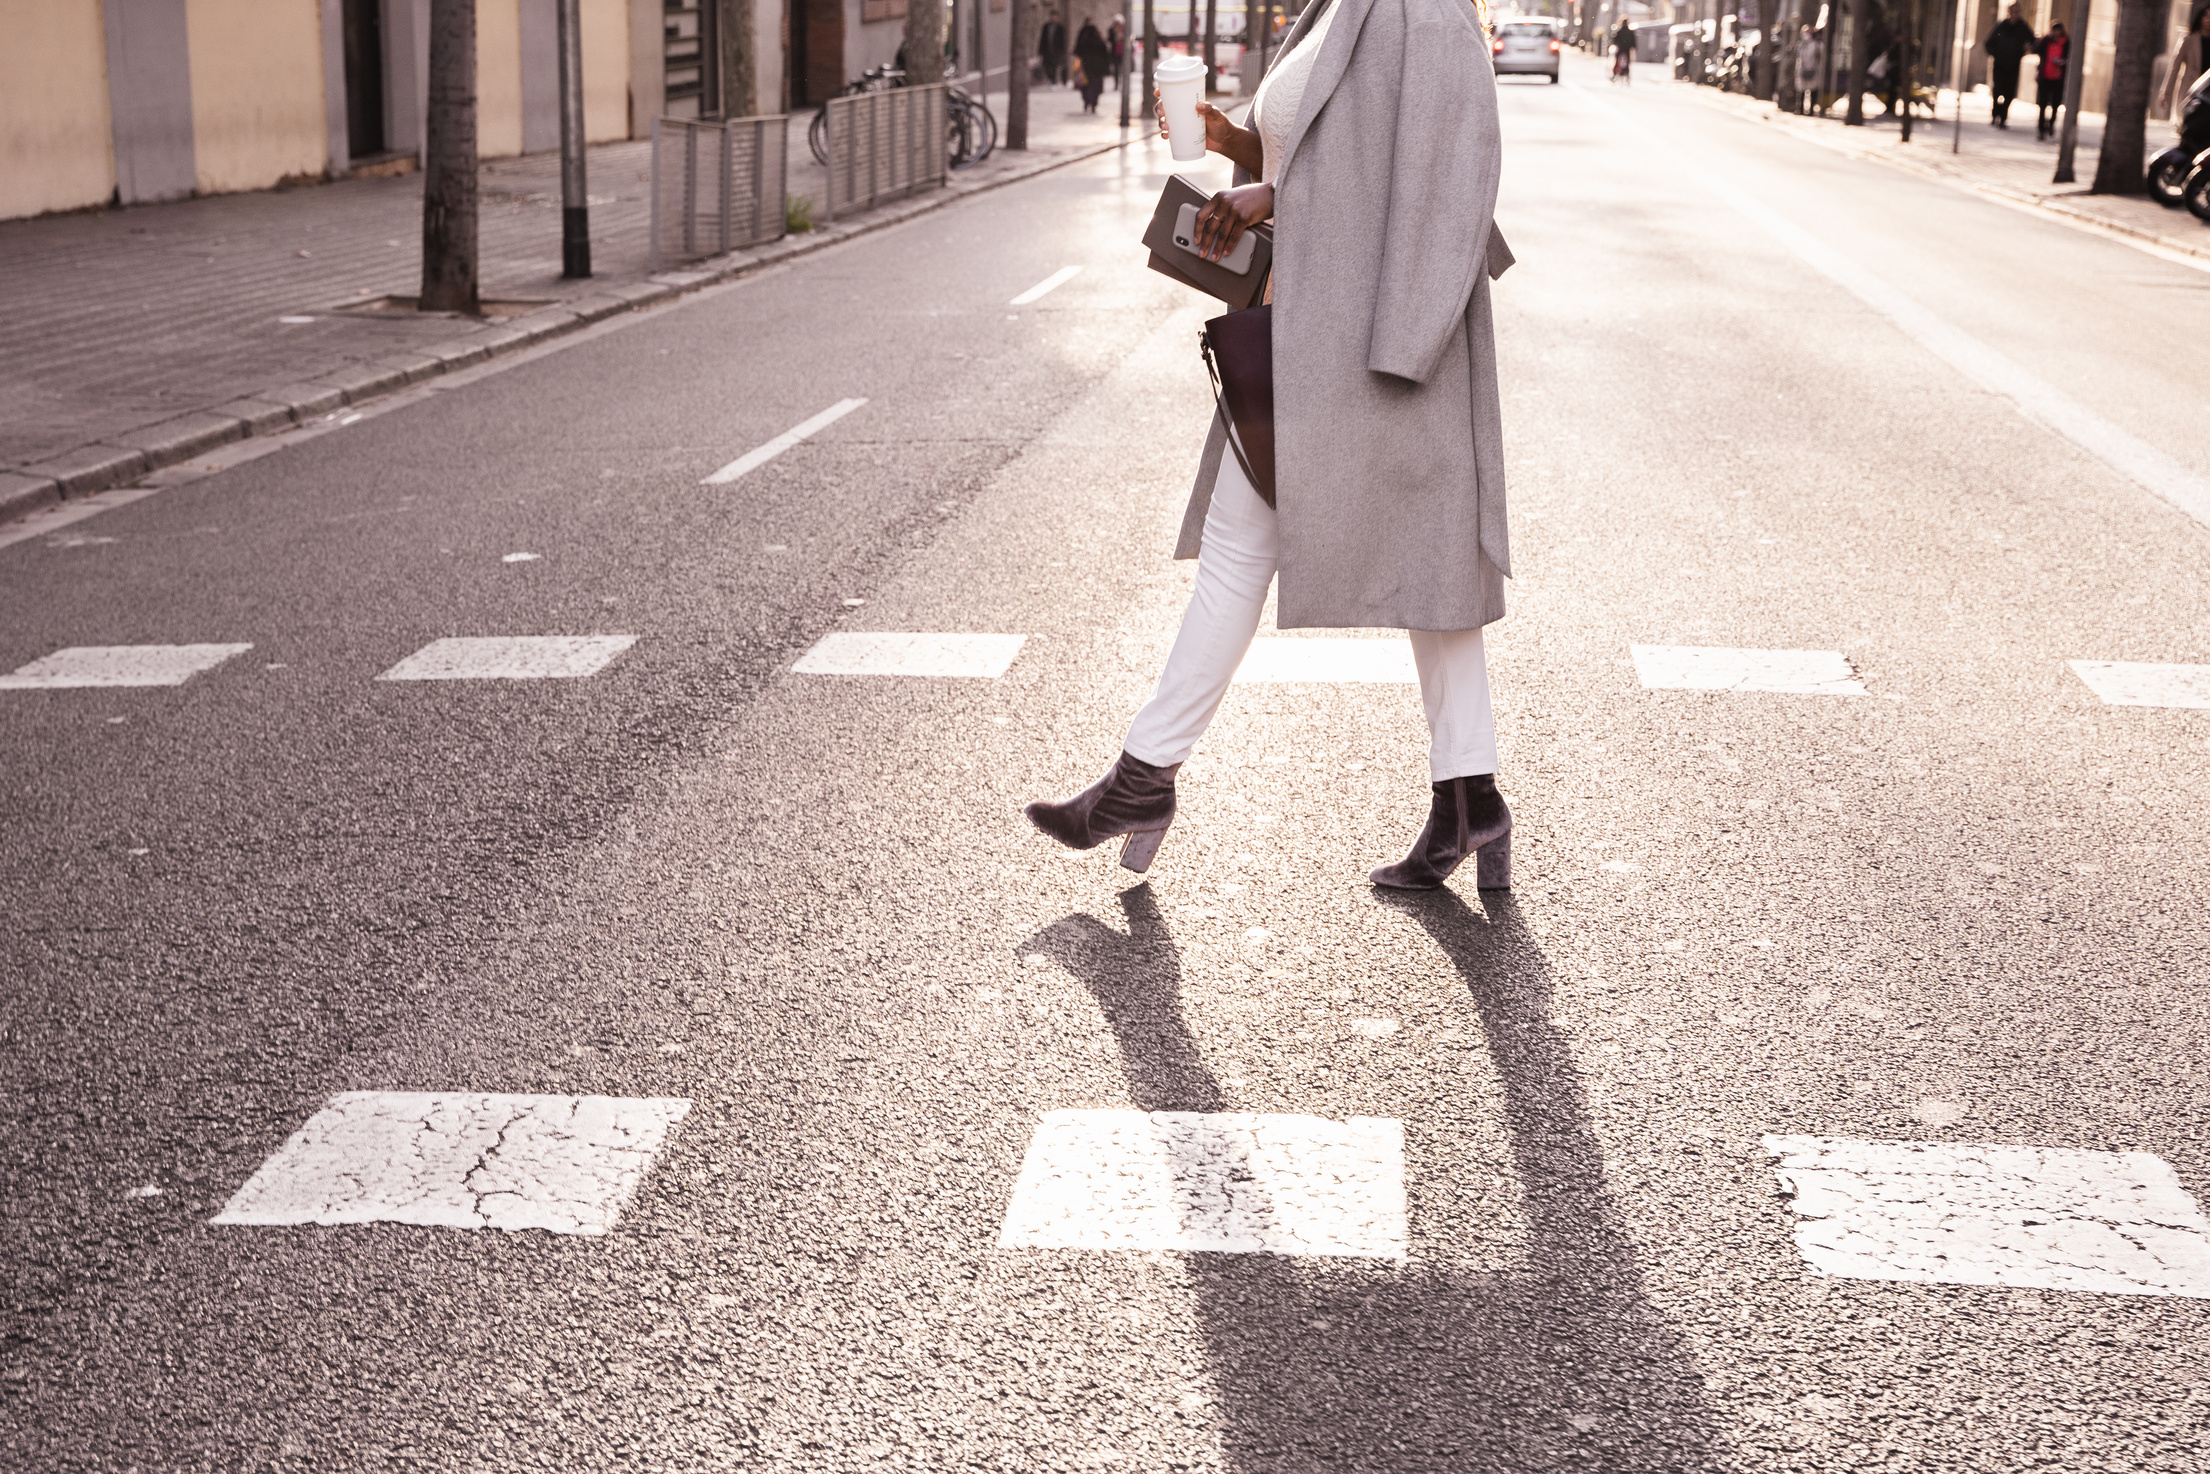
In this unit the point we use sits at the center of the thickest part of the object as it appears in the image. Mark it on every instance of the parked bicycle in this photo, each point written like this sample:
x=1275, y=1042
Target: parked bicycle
x=970, y=129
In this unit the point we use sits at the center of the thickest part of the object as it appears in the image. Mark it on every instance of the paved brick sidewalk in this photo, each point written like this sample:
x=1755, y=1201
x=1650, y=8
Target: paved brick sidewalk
x=2006, y=163
x=137, y=338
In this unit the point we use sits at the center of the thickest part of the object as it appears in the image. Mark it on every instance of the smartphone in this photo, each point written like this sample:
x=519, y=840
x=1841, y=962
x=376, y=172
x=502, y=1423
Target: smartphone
x=1185, y=236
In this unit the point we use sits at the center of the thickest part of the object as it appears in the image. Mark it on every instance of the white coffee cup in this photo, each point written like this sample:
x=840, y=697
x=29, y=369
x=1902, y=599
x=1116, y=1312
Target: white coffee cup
x=1181, y=83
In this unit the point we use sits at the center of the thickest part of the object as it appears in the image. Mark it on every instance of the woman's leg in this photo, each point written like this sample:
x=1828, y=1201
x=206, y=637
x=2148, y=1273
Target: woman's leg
x=1454, y=687
x=1234, y=571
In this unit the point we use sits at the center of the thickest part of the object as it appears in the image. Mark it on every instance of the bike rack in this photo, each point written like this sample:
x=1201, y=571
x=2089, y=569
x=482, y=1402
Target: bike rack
x=717, y=186
x=884, y=144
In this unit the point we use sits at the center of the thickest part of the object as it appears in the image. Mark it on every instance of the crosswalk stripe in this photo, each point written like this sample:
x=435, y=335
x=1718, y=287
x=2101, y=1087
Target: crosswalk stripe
x=752, y=460
x=851, y=653
x=1271, y=661
x=1058, y=278
x=1232, y=1183
x=566, y=1164
x=2035, y=1217
x=1715, y=668
x=2131, y=683
x=118, y=665
x=510, y=658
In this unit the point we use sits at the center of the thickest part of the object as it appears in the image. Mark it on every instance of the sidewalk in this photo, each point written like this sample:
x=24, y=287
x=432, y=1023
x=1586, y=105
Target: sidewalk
x=138, y=338
x=2007, y=164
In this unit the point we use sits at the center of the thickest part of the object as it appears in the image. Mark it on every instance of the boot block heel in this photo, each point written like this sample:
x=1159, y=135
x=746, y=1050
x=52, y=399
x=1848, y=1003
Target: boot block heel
x=1492, y=864
x=1137, y=853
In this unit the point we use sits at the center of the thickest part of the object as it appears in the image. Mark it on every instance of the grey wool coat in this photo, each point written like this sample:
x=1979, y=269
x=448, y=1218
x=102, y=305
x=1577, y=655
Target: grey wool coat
x=1388, y=449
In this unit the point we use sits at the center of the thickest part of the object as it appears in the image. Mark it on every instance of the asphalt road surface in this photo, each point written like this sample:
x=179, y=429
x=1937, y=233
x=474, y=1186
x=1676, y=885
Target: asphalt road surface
x=1964, y=907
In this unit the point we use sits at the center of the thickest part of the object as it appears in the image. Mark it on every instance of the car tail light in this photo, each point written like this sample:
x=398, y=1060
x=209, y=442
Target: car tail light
x=1498, y=46
x=1553, y=48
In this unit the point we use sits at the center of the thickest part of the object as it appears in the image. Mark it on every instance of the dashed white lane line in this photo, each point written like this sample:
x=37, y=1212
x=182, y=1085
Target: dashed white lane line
x=118, y=665
x=1328, y=660
x=510, y=658
x=1058, y=278
x=562, y=1163
x=2128, y=683
x=984, y=657
x=1245, y=1184
x=752, y=460
x=2040, y=1217
x=1713, y=668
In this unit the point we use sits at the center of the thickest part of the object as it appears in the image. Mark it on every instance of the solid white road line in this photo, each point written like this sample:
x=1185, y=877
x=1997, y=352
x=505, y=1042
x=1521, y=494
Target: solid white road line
x=510, y=658
x=752, y=460
x=2035, y=397
x=983, y=657
x=1388, y=662
x=1238, y=1184
x=2041, y=1217
x=1058, y=278
x=562, y=1163
x=2128, y=683
x=118, y=665
x=1713, y=668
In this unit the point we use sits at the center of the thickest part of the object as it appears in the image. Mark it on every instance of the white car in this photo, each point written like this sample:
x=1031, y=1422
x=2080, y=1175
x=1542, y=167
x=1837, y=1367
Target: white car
x=1526, y=46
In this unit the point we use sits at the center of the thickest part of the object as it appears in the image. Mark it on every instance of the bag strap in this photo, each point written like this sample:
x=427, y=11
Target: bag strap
x=1235, y=441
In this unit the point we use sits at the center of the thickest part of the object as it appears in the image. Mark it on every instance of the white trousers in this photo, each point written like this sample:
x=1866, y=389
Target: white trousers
x=1234, y=571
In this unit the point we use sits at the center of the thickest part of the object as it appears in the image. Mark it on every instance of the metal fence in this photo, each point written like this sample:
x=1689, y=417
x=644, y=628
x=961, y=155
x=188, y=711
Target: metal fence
x=716, y=186
x=884, y=144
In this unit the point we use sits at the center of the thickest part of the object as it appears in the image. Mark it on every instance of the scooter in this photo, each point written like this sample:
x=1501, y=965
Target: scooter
x=2171, y=171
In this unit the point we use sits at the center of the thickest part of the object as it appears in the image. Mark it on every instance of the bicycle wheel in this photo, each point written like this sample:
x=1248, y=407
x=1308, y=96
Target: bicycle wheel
x=2196, y=196
x=986, y=128
x=959, y=138
x=817, y=137
x=2168, y=175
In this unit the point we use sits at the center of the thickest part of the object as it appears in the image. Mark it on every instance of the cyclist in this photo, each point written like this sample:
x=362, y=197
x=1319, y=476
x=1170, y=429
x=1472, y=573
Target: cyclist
x=1622, y=52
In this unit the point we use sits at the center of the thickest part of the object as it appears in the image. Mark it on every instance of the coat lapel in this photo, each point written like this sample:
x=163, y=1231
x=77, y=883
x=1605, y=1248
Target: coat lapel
x=1327, y=68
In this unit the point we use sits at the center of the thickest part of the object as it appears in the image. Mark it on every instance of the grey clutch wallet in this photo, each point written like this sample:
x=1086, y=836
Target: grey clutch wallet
x=1239, y=280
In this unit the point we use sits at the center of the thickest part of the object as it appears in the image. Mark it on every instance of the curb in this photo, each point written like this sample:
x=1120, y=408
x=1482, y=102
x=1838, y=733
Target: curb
x=122, y=459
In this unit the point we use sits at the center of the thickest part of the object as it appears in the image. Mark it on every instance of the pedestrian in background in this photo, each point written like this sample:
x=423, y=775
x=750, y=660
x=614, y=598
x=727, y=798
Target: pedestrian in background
x=1388, y=506
x=1051, y=50
x=2189, y=58
x=2055, y=51
x=2007, y=46
x=1117, y=39
x=1094, y=57
x=1622, y=51
x=1810, y=65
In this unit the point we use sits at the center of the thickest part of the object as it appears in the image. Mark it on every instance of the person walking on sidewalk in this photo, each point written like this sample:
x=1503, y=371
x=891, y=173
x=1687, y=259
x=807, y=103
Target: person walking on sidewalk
x=2007, y=45
x=1389, y=468
x=1810, y=65
x=1051, y=51
x=1096, y=59
x=2189, y=60
x=2055, y=51
x=1117, y=40
x=1622, y=52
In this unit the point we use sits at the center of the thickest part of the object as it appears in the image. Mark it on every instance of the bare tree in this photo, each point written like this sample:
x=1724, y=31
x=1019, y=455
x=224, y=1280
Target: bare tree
x=2118, y=169
x=1023, y=22
x=449, y=255
x=924, y=42
x=734, y=41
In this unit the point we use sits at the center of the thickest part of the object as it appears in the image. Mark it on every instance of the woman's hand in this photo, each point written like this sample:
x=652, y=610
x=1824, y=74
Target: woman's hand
x=1224, y=218
x=1237, y=145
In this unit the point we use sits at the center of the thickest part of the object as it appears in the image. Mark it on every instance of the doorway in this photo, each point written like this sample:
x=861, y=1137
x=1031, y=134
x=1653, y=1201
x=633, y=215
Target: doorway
x=363, y=23
x=816, y=51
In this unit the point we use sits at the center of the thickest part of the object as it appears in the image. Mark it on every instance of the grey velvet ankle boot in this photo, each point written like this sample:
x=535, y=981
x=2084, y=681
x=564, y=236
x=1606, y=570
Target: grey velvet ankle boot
x=1467, y=816
x=1134, y=799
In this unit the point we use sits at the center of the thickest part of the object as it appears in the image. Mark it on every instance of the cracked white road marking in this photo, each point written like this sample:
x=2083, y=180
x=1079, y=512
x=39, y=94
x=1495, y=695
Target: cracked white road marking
x=119, y=665
x=562, y=1163
x=752, y=460
x=2040, y=1217
x=1715, y=668
x=1241, y=1184
x=510, y=658
x=2129, y=683
x=984, y=657
x=1325, y=659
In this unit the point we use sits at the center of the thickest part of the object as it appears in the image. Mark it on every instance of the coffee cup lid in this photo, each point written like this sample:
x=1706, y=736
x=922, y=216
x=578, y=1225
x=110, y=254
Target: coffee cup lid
x=1177, y=68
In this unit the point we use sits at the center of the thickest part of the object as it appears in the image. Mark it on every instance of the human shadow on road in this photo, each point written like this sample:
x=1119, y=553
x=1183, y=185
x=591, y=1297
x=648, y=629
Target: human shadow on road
x=1561, y=1361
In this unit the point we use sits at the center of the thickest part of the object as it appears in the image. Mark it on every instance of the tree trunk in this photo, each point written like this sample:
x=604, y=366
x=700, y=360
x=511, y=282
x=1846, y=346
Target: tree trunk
x=924, y=42
x=734, y=39
x=1855, y=118
x=2118, y=168
x=449, y=162
x=1023, y=22
x=1212, y=25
